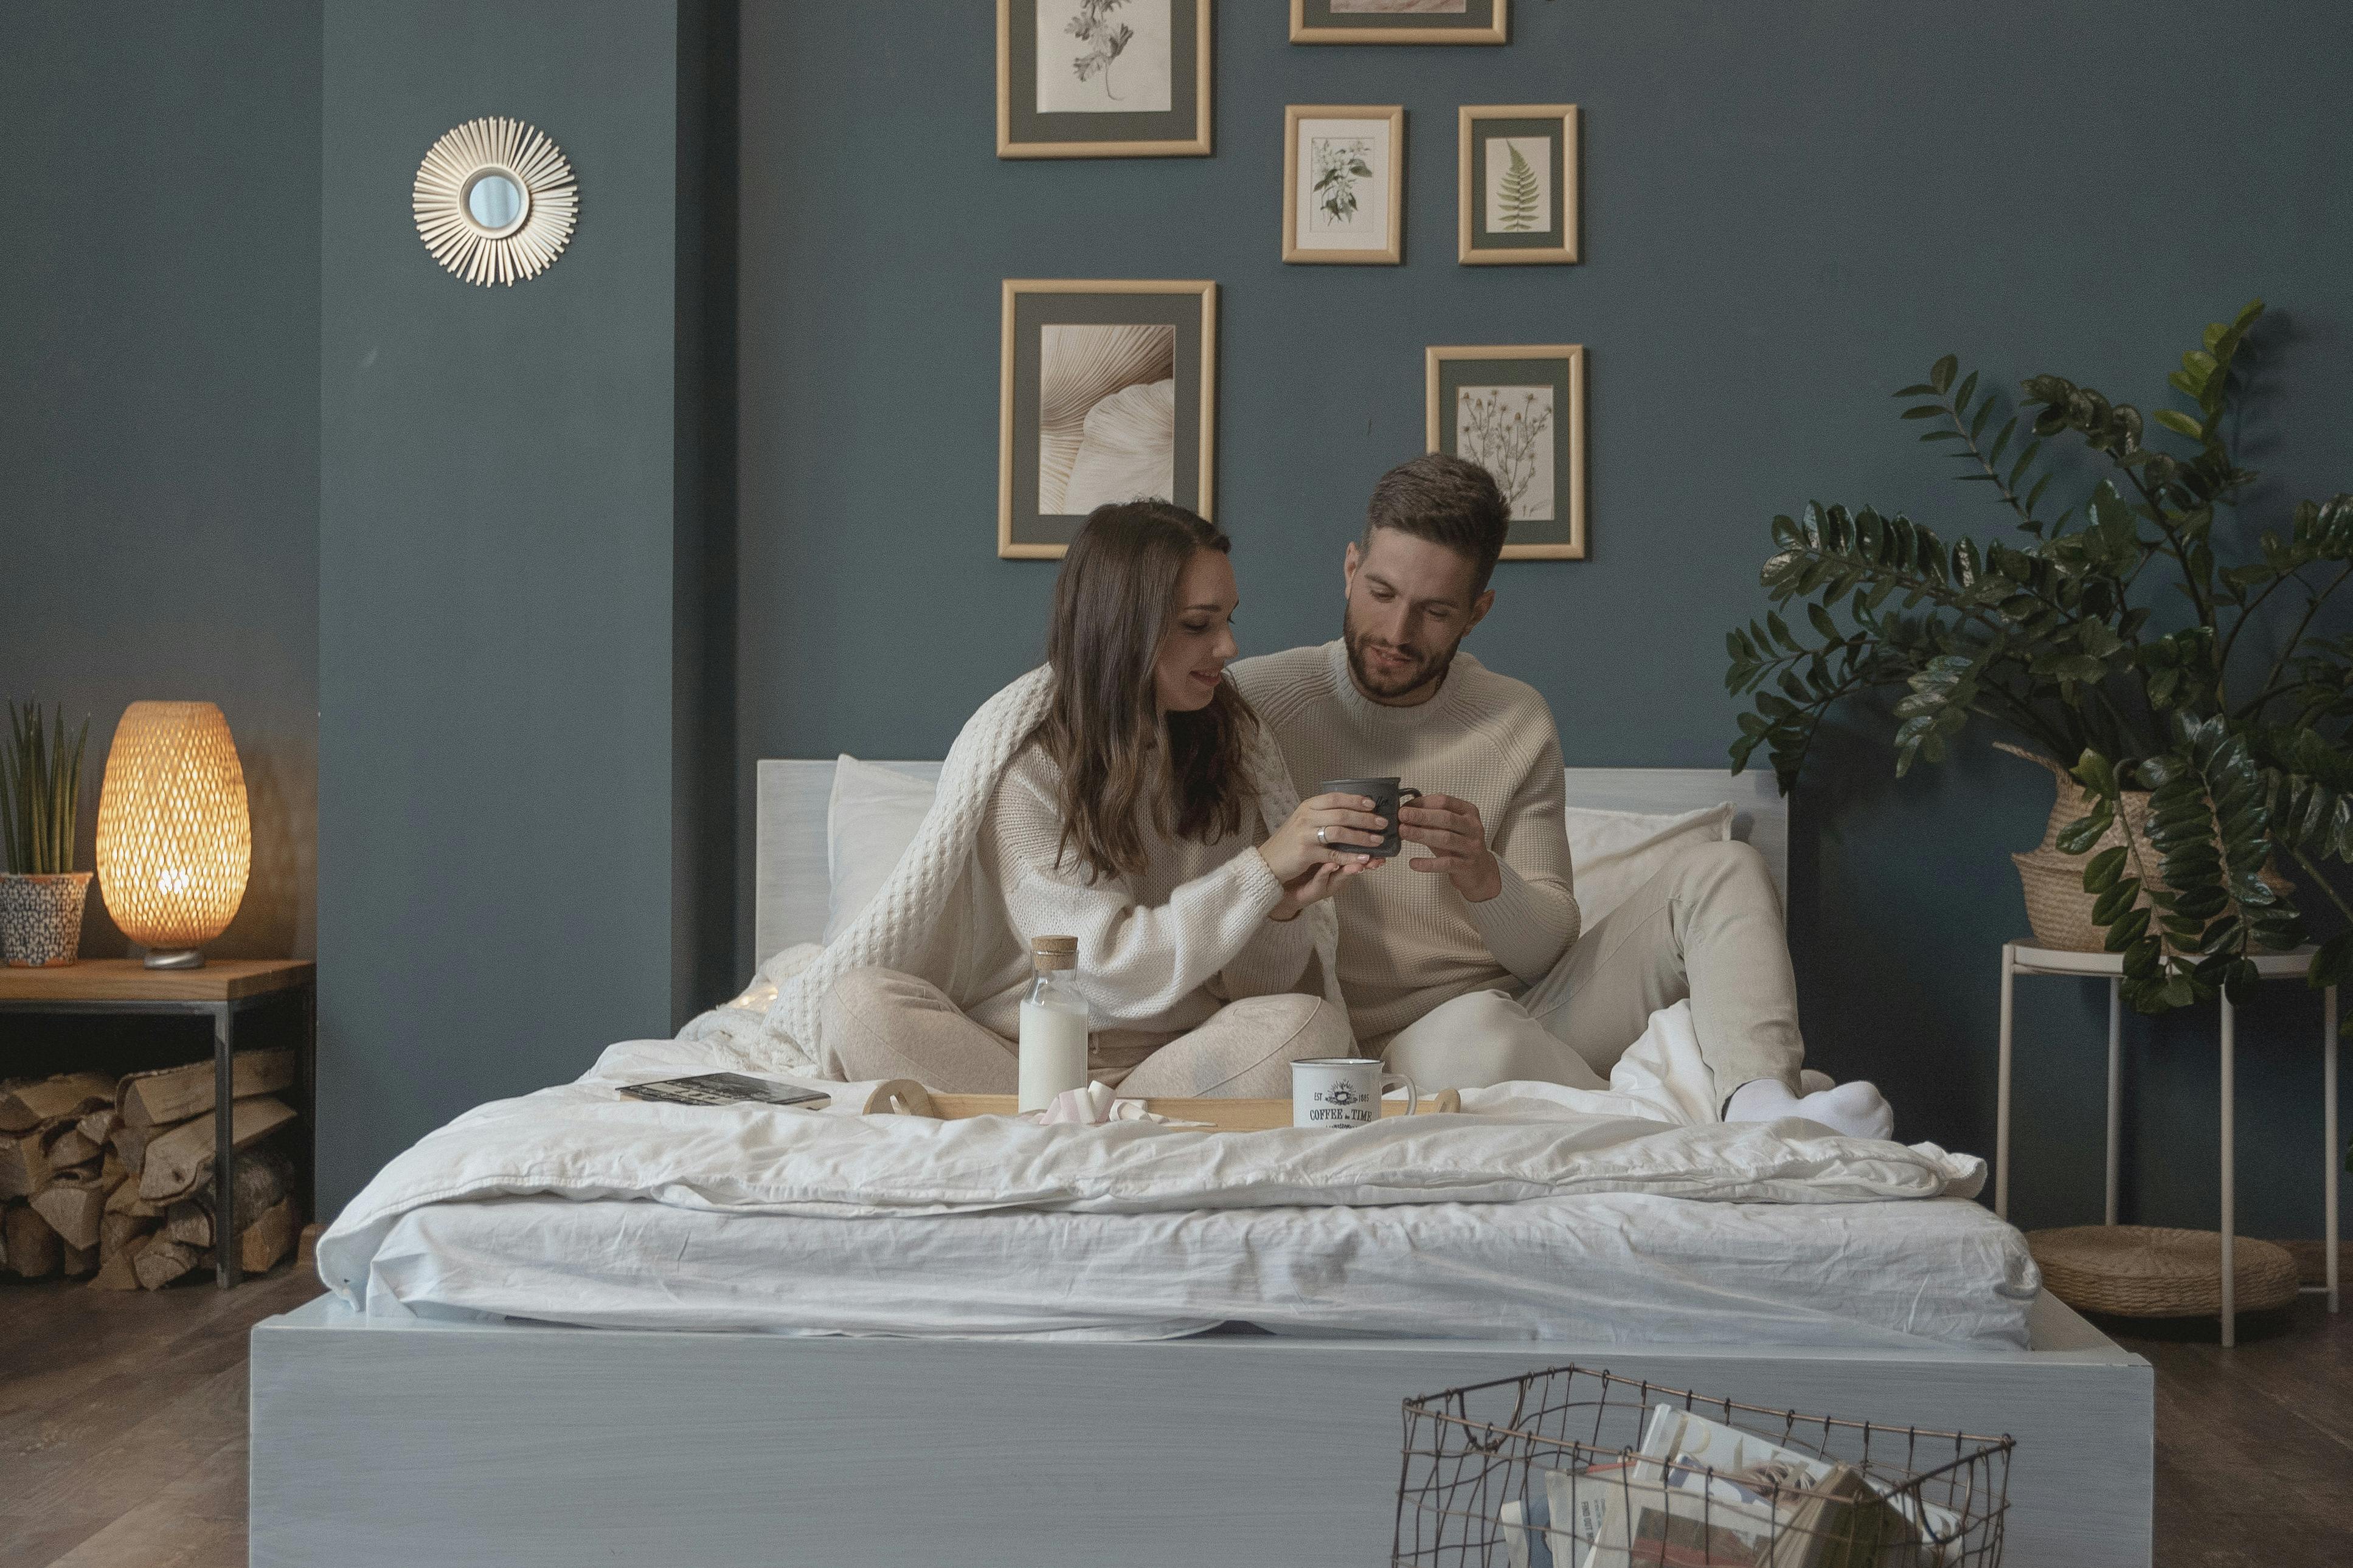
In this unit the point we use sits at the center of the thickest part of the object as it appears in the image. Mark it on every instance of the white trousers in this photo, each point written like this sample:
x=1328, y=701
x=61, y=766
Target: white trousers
x=879, y=1023
x=1707, y=927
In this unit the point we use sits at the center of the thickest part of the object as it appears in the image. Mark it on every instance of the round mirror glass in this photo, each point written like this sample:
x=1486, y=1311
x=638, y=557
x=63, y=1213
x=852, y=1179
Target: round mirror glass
x=494, y=202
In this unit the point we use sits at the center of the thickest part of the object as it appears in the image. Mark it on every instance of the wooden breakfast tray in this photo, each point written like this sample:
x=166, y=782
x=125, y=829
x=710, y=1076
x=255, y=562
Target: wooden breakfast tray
x=905, y=1097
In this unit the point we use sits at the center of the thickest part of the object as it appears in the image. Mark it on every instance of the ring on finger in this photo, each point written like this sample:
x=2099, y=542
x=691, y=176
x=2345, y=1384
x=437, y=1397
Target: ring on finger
x=1320, y=839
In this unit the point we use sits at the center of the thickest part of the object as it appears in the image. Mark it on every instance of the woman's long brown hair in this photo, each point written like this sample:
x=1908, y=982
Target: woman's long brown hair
x=1112, y=606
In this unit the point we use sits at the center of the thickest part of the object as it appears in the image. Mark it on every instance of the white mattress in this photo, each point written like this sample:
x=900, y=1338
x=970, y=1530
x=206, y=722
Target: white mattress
x=1597, y=1268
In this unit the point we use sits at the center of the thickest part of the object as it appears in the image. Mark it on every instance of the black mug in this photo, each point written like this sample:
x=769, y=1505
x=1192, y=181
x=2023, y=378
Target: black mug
x=1386, y=794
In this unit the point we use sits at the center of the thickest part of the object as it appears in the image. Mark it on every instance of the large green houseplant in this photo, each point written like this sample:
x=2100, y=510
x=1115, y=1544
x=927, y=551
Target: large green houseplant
x=2131, y=639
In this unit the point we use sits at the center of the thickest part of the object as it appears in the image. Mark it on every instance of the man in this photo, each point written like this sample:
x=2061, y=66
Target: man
x=1465, y=965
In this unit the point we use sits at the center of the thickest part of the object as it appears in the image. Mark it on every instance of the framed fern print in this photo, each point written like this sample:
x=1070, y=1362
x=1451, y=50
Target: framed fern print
x=1342, y=184
x=1102, y=78
x=1518, y=410
x=1401, y=21
x=1516, y=182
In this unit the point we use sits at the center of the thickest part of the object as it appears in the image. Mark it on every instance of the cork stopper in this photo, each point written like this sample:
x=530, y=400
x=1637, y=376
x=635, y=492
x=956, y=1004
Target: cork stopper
x=1054, y=953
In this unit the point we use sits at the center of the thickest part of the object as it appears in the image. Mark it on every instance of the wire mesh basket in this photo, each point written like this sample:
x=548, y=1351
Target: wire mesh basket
x=1572, y=1468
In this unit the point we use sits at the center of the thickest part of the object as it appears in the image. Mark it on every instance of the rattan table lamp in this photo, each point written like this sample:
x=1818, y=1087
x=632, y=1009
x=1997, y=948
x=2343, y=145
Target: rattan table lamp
x=174, y=843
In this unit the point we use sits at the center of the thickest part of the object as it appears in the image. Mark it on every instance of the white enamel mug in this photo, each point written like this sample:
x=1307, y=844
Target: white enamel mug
x=1343, y=1091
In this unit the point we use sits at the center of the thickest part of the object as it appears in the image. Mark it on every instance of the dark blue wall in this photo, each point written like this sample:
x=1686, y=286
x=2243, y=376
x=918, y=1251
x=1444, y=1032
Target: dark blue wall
x=1789, y=210
x=501, y=524
x=159, y=433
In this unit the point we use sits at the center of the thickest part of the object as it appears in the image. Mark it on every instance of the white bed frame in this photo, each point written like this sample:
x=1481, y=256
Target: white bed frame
x=528, y=1444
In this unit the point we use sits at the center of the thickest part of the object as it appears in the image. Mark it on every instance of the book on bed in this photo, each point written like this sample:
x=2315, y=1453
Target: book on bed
x=726, y=1088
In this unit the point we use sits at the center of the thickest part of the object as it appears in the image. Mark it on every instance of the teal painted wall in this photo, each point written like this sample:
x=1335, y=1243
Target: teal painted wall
x=501, y=527
x=549, y=641
x=159, y=431
x=1789, y=210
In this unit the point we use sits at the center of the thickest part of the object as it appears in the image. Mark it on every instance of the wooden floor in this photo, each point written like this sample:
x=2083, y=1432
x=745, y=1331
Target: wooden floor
x=122, y=1430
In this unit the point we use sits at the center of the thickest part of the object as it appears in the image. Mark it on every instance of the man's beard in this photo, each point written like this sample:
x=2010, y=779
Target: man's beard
x=1428, y=668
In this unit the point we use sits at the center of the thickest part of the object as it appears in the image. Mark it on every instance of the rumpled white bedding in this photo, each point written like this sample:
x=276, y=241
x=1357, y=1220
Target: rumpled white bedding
x=1487, y=1224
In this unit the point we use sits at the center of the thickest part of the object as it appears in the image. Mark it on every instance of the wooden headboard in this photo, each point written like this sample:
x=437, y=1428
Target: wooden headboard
x=789, y=879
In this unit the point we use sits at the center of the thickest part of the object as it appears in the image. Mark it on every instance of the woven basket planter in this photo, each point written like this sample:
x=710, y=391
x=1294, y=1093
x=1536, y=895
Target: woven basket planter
x=40, y=918
x=2058, y=911
x=2148, y=1271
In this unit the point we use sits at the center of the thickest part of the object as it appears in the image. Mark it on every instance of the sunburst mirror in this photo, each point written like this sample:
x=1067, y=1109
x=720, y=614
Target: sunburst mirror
x=495, y=200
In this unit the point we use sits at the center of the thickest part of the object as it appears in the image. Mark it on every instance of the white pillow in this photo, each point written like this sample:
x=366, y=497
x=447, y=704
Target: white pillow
x=868, y=823
x=1611, y=853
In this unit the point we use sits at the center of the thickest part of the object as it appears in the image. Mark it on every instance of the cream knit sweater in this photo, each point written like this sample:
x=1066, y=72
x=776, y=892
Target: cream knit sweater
x=1158, y=952
x=1408, y=940
x=931, y=919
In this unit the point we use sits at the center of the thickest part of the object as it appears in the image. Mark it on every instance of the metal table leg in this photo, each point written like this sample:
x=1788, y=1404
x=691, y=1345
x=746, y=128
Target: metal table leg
x=2333, y=1154
x=2116, y=1085
x=227, y=1264
x=2002, y=1089
x=2230, y=1194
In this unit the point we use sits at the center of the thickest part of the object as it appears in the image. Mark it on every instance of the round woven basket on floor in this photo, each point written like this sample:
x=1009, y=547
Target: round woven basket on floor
x=2149, y=1271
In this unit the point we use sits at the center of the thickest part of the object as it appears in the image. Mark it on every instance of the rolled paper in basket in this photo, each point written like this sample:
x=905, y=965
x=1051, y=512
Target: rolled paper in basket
x=1527, y=1542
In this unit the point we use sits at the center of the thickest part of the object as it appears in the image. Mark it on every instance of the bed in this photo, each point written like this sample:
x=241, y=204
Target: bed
x=769, y=1437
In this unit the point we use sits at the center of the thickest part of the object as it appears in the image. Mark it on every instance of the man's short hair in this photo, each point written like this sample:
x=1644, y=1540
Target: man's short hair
x=1448, y=501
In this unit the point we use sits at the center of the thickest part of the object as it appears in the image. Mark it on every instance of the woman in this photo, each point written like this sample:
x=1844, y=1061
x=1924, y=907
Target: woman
x=1142, y=810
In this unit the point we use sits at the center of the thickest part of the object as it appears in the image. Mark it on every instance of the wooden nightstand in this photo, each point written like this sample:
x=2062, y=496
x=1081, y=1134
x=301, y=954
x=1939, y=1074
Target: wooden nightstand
x=225, y=988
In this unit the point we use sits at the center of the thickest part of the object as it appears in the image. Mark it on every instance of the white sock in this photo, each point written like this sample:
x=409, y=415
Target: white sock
x=1856, y=1109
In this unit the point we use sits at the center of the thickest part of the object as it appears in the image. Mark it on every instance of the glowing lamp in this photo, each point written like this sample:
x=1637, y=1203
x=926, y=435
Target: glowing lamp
x=174, y=843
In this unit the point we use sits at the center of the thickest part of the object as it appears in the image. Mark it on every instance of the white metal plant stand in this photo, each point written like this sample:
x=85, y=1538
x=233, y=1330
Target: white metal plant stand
x=2019, y=958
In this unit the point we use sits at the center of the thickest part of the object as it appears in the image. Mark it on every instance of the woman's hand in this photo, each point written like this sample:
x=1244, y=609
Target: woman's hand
x=1318, y=885
x=1329, y=830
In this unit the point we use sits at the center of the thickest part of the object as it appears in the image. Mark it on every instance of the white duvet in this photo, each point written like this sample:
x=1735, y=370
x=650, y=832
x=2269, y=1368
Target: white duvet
x=1649, y=1137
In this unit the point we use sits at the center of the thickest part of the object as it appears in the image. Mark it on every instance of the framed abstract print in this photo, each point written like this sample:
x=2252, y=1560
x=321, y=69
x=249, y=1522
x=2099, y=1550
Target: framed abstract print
x=1109, y=394
x=1519, y=412
x=1342, y=184
x=1401, y=21
x=1102, y=78
x=1516, y=184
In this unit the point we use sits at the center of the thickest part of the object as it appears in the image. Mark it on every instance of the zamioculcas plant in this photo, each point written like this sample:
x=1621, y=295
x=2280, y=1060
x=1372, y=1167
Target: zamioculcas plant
x=41, y=791
x=2132, y=640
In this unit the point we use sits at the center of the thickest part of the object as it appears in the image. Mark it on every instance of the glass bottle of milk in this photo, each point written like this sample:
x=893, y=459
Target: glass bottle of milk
x=1053, y=1025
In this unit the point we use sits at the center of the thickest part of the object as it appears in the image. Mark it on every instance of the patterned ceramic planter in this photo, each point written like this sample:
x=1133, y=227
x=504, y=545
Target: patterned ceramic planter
x=40, y=918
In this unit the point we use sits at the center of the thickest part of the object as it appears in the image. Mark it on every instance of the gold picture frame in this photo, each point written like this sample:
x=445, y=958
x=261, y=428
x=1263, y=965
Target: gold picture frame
x=1550, y=194
x=1048, y=387
x=1301, y=243
x=1020, y=133
x=1483, y=22
x=1483, y=378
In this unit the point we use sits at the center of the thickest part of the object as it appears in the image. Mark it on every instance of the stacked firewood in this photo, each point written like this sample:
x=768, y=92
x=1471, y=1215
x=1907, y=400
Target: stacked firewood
x=113, y=1182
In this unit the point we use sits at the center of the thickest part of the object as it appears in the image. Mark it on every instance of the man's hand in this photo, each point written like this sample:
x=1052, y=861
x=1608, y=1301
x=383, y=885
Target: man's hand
x=1450, y=829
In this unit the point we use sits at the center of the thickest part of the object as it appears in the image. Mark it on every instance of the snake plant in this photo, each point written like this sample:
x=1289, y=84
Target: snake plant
x=40, y=791
x=2132, y=639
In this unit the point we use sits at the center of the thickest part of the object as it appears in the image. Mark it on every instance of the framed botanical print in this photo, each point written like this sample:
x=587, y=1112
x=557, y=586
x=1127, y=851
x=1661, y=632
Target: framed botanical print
x=1343, y=181
x=1517, y=183
x=1102, y=78
x=1109, y=394
x=1401, y=21
x=1519, y=412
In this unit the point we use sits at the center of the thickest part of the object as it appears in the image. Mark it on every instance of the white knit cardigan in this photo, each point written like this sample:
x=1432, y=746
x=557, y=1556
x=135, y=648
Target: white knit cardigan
x=903, y=929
